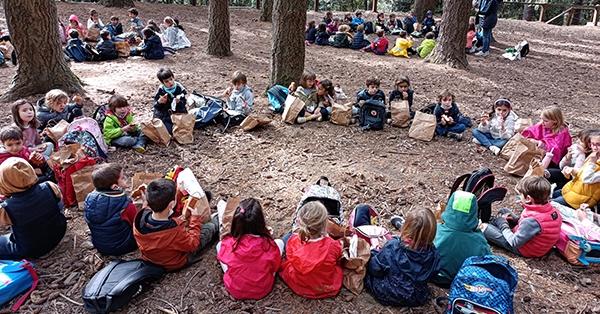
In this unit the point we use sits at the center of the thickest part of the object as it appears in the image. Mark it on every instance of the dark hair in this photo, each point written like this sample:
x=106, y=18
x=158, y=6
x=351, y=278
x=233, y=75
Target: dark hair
x=105, y=175
x=238, y=77
x=380, y=14
x=153, y=25
x=117, y=101
x=160, y=193
x=373, y=81
x=501, y=102
x=402, y=34
x=147, y=32
x=11, y=132
x=311, y=24
x=322, y=27
x=430, y=35
x=380, y=32
x=402, y=79
x=328, y=86
x=93, y=11
x=538, y=188
x=35, y=123
x=163, y=74
x=105, y=34
x=114, y=17
x=177, y=23
x=134, y=11
x=249, y=219
x=444, y=94
x=73, y=33
x=471, y=26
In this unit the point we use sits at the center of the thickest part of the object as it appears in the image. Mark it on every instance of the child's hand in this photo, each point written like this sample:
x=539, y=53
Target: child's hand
x=581, y=215
x=78, y=99
x=244, y=103
x=567, y=172
x=163, y=99
x=228, y=91
x=41, y=148
x=38, y=171
x=405, y=95
x=594, y=157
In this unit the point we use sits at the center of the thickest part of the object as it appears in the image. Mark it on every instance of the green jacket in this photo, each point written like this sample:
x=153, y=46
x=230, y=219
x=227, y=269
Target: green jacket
x=112, y=126
x=426, y=47
x=458, y=237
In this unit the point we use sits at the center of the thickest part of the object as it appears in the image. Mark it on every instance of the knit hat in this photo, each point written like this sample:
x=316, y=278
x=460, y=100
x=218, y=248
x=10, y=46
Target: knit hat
x=16, y=175
x=73, y=17
x=429, y=12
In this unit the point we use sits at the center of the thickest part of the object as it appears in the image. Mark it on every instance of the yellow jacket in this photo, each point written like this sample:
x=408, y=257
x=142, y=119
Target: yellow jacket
x=576, y=192
x=402, y=44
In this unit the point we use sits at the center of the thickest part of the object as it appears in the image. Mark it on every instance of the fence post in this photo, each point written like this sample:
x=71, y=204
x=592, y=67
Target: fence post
x=542, y=12
x=595, y=18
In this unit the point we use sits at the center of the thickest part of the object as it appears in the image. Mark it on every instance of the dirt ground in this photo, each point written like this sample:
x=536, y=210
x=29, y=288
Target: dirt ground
x=277, y=162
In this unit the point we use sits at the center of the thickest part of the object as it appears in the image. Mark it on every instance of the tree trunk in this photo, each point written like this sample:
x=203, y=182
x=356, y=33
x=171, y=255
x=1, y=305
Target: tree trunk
x=193, y=2
x=287, y=44
x=576, y=13
x=258, y=4
x=266, y=14
x=316, y=5
x=34, y=33
x=219, y=37
x=450, y=47
x=421, y=7
x=528, y=12
x=117, y=3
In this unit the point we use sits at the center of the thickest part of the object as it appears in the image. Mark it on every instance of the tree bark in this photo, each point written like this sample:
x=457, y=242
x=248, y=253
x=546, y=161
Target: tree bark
x=117, y=3
x=219, y=37
x=33, y=28
x=316, y=5
x=528, y=12
x=576, y=13
x=421, y=7
x=287, y=44
x=266, y=13
x=450, y=47
x=194, y=2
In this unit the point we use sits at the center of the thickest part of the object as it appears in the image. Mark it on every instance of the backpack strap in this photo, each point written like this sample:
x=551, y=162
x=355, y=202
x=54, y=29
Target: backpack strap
x=35, y=278
x=323, y=178
x=458, y=182
x=485, y=200
x=479, y=187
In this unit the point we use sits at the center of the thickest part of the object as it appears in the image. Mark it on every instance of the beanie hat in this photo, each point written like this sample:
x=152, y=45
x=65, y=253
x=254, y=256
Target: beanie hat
x=16, y=175
x=73, y=17
x=429, y=12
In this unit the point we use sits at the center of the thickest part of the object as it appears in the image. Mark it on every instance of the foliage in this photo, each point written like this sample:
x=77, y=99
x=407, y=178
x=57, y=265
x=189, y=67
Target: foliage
x=515, y=11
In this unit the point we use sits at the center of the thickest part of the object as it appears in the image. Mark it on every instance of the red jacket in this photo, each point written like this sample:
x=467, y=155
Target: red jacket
x=168, y=248
x=550, y=221
x=312, y=269
x=24, y=153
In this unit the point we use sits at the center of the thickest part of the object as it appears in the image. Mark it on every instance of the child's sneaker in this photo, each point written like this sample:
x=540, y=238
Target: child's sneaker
x=301, y=120
x=482, y=54
x=139, y=147
x=494, y=149
x=352, y=120
x=476, y=141
x=389, y=121
x=397, y=222
x=320, y=118
x=456, y=136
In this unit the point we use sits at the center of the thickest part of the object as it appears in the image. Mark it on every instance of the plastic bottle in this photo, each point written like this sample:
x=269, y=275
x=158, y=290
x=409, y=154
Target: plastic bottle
x=547, y=159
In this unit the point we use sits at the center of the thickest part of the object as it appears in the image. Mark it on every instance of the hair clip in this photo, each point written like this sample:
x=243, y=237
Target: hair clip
x=242, y=210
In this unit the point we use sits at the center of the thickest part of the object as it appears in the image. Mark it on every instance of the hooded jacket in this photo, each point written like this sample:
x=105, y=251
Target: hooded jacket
x=112, y=125
x=251, y=267
x=46, y=114
x=24, y=153
x=560, y=141
x=312, y=269
x=583, y=189
x=152, y=48
x=363, y=94
x=236, y=100
x=458, y=237
x=398, y=276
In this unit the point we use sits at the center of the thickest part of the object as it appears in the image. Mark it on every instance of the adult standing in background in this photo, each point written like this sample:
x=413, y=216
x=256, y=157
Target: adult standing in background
x=488, y=12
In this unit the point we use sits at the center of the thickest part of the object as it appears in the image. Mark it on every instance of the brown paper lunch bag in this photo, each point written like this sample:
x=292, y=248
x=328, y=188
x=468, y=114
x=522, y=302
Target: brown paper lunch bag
x=400, y=113
x=156, y=131
x=183, y=128
x=293, y=106
x=423, y=126
x=341, y=113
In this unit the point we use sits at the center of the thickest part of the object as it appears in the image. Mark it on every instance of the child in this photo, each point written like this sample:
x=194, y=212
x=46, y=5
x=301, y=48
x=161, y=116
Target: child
x=360, y=40
x=341, y=39
x=75, y=25
x=62, y=32
x=307, y=92
x=169, y=98
x=174, y=36
x=469, y=48
x=347, y=19
x=372, y=91
x=239, y=99
x=536, y=231
x=311, y=267
x=459, y=228
x=585, y=185
x=311, y=33
x=249, y=256
x=152, y=25
x=106, y=47
x=332, y=27
x=325, y=98
x=409, y=22
x=551, y=134
x=328, y=17
x=322, y=36
x=76, y=49
x=53, y=108
x=23, y=113
x=448, y=117
x=393, y=24
x=12, y=146
x=166, y=241
x=379, y=45
x=94, y=20
x=357, y=20
x=428, y=23
x=152, y=47
x=32, y=209
x=403, y=92
x=109, y=213
x=136, y=23
x=398, y=274
x=119, y=129
x=496, y=127
x=403, y=45
x=380, y=22
x=575, y=158
x=115, y=28
x=426, y=45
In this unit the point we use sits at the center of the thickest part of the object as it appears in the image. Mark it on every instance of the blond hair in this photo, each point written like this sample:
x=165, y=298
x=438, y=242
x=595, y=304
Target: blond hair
x=419, y=228
x=54, y=96
x=312, y=218
x=553, y=113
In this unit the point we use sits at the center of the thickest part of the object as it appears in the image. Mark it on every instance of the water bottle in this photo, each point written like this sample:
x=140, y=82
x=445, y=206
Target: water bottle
x=547, y=159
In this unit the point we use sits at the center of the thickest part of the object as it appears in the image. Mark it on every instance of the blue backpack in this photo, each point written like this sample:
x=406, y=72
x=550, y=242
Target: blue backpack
x=277, y=95
x=16, y=277
x=372, y=115
x=88, y=144
x=484, y=284
x=211, y=111
x=77, y=52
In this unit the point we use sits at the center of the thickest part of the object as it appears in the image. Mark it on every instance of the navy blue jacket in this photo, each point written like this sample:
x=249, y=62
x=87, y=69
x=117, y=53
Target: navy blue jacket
x=364, y=95
x=359, y=41
x=106, y=50
x=322, y=38
x=398, y=276
x=164, y=112
x=115, y=30
x=37, y=223
x=396, y=94
x=452, y=112
x=311, y=34
x=110, y=234
x=489, y=11
x=153, y=48
x=46, y=114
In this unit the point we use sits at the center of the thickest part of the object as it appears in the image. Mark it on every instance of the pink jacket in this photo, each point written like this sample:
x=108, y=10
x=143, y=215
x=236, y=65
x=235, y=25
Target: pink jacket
x=251, y=267
x=560, y=141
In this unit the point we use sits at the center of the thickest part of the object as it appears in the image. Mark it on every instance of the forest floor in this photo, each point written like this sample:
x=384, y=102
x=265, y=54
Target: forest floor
x=277, y=162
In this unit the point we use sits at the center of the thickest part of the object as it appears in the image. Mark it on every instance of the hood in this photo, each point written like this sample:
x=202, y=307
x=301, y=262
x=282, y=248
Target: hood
x=429, y=13
x=305, y=257
x=461, y=212
x=74, y=17
x=41, y=105
x=420, y=265
x=148, y=242
x=241, y=91
x=16, y=175
x=248, y=248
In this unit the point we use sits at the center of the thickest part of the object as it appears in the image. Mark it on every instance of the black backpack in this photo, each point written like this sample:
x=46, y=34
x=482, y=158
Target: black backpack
x=100, y=115
x=372, y=115
x=481, y=184
x=210, y=112
x=116, y=284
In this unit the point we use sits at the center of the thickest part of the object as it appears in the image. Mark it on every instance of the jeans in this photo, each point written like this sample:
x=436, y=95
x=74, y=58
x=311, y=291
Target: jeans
x=9, y=249
x=130, y=139
x=494, y=235
x=487, y=39
x=486, y=139
x=456, y=128
x=557, y=197
x=556, y=176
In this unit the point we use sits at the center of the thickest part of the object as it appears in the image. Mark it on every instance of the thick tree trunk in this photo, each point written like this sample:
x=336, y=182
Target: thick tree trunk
x=287, y=44
x=34, y=32
x=258, y=4
x=316, y=5
x=266, y=14
x=117, y=3
x=194, y=2
x=219, y=37
x=421, y=7
x=450, y=47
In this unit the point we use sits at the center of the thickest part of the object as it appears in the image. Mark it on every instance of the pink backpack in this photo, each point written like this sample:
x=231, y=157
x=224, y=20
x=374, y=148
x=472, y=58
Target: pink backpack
x=579, y=243
x=364, y=221
x=90, y=125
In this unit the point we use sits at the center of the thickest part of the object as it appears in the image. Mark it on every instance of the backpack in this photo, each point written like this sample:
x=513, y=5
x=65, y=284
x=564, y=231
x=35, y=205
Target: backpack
x=364, y=221
x=100, y=115
x=481, y=184
x=323, y=192
x=484, y=284
x=372, y=115
x=277, y=95
x=578, y=243
x=211, y=111
x=91, y=125
x=114, y=285
x=428, y=109
x=77, y=52
x=16, y=277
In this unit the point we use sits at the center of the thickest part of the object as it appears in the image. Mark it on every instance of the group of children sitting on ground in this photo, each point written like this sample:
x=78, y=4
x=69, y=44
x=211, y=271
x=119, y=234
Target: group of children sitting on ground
x=151, y=42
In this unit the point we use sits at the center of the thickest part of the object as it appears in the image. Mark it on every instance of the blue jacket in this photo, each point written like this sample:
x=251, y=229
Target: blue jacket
x=452, y=112
x=110, y=234
x=46, y=114
x=322, y=38
x=363, y=94
x=311, y=34
x=165, y=111
x=37, y=223
x=489, y=12
x=357, y=21
x=359, y=41
x=153, y=48
x=398, y=276
x=396, y=94
x=115, y=30
x=106, y=50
